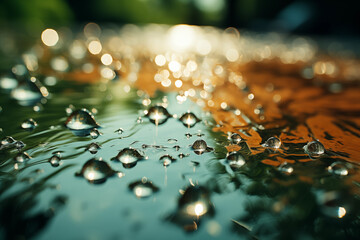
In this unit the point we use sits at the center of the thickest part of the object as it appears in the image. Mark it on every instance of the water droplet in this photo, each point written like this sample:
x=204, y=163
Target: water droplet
x=235, y=138
x=29, y=124
x=314, y=148
x=200, y=146
x=167, y=160
x=139, y=120
x=182, y=155
x=119, y=131
x=22, y=157
x=38, y=107
x=235, y=160
x=94, y=133
x=93, y=148
x=338, y=168
x=286, y=168
x=195, y=201
x=19, y=145
x=189, y=119
x=29, y=93
x=158, y=115
x=272, y=142
x=143, y=188
x=81, y=120
x=69, y=110
x=172, y=140
x=7, y=142
x=96, y=171
x=55, y=160
x=188, y=135
x=128, y=157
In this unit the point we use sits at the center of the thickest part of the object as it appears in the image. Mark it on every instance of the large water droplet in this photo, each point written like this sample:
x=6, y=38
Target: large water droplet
x=338, y=168
x=143, y=188
x=29, y=124
x=81, y=120
x=235, y=160
x=200, y=146
x=22, y=157
x=235, y=138
x=128, y=157
x=96, y=171
x=93, y=148
x=167, y=160
x=314, y=148
x=189, y=119
x=158, y=115
x=119, y=131
x=272, y=142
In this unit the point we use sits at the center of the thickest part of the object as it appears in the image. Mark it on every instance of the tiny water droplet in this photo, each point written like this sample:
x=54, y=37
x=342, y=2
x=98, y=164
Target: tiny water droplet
x=19, y=145
x=29, y=124
x=93, y=148
x=96, y=171
x=22, y=157
x=182, y=155
x=139, y=120
x=7, y=142
x=55, y=160
x=235, y=160
x=235, y=138
x=94, y=133
x=338, y=168
x=128, y=157
x=176, y=147
x=189, y=119
x=119, y=131
x=172, y=140
x=167, y=160
x=188, y=135
x=81, y=120
x=272, y=142
x=286, y=168
x=143, y=188
x=314, y=148
x=158, y=115
x=200, y=146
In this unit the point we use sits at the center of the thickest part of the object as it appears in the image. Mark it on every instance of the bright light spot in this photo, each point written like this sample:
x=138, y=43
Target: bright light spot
x=203, y=47
x=94, y=47
x=174, y=66
x=199, y=209
x=92, y=30
x=210, y=103
x=204, y=94
x=77, y=50
x=181, y=37
x=223, y=105
x=88, y=68
x=341, y=212
x=50, y=80
x=127, y=88
x=49, y=37
x=232, y=55
x=160, y=60
x=191, y=92
x=166, y=82
x=59, y=64
x=218, y=70
x=191, y=65
x=106, y=59
x=178, y=83
x=146, y=102
x=91, y=176
x=251, y=96
x=107, y=73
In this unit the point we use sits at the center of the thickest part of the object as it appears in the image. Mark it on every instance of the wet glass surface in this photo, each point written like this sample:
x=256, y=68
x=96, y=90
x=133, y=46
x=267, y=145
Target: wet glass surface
x=107, y=160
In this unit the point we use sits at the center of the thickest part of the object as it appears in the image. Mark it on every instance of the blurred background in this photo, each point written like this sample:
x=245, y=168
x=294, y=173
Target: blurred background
x=320, y=17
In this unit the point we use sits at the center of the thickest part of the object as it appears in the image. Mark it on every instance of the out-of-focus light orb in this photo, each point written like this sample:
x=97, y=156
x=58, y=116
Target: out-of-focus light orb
x=203, y=47
x=49, y=37
x=160, y=60
x=95, y=47
x=341, y=212
x=106, y=59
x=174, y=66
x=92, y=30
x=107, y=73
x=181, y=37
x=77, y=50
x=178, y=83
x=232, y=55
